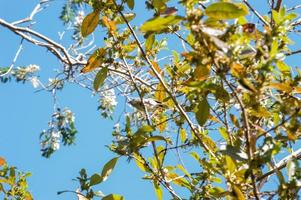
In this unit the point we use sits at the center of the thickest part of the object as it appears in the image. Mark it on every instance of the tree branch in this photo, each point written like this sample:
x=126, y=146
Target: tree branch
x=281, y=164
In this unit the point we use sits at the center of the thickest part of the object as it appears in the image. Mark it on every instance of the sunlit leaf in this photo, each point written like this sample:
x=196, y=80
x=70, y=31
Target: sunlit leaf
x=226, y=10
x=140, y=162
x=100, y=78
x=237, y=69
x=108, y=168
x=284, y=87
x=159, y=23
x=178, y=180
x=158, y=191
x=128, y=16
x=162, y=122
x=149, y=42
x=113, y=197
x=90, y=23
x=157, y=68
x=94, y=61
x=109, y=24
x=239, y=194
x=230, y=164
x=160, y=93
x=183, y=135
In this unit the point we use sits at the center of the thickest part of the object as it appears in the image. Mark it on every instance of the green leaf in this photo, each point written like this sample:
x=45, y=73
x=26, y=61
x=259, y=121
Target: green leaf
x=149, y=42
x=108, y=168
x=100, y=78
x=158, y=191
x=155, y=138
x=128, y=16
x=90, y=23
x=226, y=10
x=113, y=197
x=145, y=129
x=95, y=179
x=203, y=112
x=159, y=23
x=131, y=4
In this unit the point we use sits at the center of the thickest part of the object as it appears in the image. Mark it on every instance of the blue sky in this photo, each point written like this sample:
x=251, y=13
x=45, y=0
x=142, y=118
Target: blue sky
x=25, y=113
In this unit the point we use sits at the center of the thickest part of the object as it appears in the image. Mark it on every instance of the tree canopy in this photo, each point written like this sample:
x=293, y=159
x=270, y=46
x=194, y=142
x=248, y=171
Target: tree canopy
x=210, y=95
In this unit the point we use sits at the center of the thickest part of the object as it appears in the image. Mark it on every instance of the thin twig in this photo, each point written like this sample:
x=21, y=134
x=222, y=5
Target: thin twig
x=14, y=60
x=159, y=77
x=256, y=13
x=281, y=164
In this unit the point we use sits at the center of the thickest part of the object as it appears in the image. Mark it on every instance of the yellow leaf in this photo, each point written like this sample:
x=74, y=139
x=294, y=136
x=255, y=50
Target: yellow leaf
x=162, y=123
x=2, y=161
x=157, y=68
x=94, y=61
x=160, y=93
x=291, y=136
x=109, y=24
x=230, y=164
x=237, y=69
x=90, y=23
x=158, y=190
x=238, y=192
x=201, y=73
x=297, y=90
x=183, y=135
x=281, y=86
x=140, y=163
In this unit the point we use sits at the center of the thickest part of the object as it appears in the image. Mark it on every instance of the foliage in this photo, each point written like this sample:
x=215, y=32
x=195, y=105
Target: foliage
x=228, y=98
x=13, y=183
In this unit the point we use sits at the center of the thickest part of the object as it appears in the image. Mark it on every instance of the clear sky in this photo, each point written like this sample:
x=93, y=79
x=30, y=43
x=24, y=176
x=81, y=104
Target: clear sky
x=25, y=113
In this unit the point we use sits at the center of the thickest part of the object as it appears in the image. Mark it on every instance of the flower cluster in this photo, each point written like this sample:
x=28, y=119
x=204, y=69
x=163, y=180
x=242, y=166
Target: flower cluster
x=107, y=102
x=61, y=129
x=78, y=20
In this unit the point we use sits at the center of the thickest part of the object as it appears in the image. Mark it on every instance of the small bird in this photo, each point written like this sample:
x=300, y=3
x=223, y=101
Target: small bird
x=150, y=104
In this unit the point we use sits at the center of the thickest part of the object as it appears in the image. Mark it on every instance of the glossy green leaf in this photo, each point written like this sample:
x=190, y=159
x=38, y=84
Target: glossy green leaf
x=108, y=168
x=159, y=23
x=90, y=23
x=226, y=10
x=100, y=78
x=203, y=112
x=95, y=179
x=113, y=197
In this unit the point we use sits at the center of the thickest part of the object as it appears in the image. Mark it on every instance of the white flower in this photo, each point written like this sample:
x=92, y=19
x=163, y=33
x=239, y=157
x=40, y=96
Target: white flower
x=108, y=99
x=35, y=82
x=55, y=145
x=32, y=68
x=78, y=20
x=55, y=135
x=69, y=115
